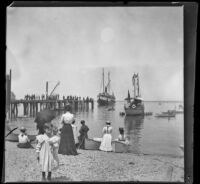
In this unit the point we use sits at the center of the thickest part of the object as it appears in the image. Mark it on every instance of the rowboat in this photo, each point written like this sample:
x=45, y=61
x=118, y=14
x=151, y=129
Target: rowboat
x=119, y=147
x=14, y=137
x=168, y=114
x=92, y=144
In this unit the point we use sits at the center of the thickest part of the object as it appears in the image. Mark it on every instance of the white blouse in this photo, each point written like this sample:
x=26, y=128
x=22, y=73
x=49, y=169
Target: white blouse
x=23, y=138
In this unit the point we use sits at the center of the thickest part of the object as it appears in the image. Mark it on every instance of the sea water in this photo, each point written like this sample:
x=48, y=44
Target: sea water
x=147, y=134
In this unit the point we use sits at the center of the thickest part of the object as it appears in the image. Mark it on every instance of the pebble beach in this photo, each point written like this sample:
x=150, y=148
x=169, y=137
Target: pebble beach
x=21, y=166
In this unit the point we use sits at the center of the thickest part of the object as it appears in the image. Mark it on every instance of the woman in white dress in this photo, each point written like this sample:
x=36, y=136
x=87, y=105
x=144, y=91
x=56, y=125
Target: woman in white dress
x=107, y=138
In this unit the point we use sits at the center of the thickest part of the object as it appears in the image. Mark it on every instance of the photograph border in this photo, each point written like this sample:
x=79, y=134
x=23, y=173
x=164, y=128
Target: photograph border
x=190, y=36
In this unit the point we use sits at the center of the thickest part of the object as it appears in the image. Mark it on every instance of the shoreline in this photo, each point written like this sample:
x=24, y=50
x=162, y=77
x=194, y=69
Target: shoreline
x=21, y=165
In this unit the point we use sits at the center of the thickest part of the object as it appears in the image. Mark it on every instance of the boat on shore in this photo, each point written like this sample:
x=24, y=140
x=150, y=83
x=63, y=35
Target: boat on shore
x=134, y=105
x=13, y=137
x=119, y=146
x=105, y=97
x=92, y=144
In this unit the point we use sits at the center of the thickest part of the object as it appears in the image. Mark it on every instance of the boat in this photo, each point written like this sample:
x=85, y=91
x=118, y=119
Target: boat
x=180, y=110
x=92, y=144
x=119, y=146
x=169, y=113
x=105, y=97
x=135, y=105
x=13, y=137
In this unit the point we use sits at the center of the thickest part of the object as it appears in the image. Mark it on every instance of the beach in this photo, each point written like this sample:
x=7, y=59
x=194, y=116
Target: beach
x=21, y=166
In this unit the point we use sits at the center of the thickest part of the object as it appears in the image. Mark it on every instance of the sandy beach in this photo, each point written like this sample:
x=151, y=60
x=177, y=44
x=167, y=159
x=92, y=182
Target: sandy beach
x=21, y=165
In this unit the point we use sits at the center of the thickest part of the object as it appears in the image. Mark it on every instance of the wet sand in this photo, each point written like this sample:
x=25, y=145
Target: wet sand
x=21, y=165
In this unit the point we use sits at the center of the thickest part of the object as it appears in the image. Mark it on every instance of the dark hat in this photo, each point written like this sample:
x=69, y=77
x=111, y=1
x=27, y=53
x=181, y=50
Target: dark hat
x=82, y=121
x=120, y=128
x=23, y=129
x=108, y=122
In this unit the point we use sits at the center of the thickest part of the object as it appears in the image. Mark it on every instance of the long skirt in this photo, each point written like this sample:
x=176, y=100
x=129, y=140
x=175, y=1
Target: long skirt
x=106, y=143
x=67, y=144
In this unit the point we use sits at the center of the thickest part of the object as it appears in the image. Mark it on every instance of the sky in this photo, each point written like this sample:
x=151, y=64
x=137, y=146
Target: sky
x=73, y=44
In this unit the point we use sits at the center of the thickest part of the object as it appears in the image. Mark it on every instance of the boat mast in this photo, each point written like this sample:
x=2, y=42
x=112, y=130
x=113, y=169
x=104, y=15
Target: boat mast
x=108, y=86
x=103, y=80
x=133, y=80
x=138, y=84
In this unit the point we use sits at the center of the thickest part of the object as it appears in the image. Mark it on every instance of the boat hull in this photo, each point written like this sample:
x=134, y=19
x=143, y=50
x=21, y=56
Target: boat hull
x=105, y=101
x=91, y=144
x=14, y=137
x=138, y=110
x=119, y=147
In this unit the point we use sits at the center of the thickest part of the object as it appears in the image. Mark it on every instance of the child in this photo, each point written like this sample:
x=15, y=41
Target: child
x=121, y=136
x=23, y=139
x=55, y=141
x=44, y=151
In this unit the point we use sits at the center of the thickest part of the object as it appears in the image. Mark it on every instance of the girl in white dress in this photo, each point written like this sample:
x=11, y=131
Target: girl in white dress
x=75, y=133
x=44, y=151
x=107, y=138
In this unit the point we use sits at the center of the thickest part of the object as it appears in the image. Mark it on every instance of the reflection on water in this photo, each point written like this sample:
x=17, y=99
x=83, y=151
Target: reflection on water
x=133, y=126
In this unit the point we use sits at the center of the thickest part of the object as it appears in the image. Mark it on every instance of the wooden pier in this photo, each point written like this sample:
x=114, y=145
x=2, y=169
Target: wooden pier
x=31, y=107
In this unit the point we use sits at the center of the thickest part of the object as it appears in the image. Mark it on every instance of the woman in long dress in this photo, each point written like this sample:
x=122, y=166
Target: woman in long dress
x=107, y=138
x=67, y=144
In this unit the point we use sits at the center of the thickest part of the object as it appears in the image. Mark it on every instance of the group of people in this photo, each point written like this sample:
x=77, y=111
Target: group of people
x=107, y=137
x=54, y=140
x=63, y=140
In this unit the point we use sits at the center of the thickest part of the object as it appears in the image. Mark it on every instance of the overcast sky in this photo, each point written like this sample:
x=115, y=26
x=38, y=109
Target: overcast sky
x=72, y=44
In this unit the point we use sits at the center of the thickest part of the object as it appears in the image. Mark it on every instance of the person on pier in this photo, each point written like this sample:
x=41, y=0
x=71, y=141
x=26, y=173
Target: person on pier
x=83, y=134
x=67, y=143
x=23, y=139
x=107, y=138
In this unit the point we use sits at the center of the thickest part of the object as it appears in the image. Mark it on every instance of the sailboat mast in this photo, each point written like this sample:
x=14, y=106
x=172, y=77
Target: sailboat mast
x=138, y=85
x=109, y=82
x=103, y=80
x=134, y=84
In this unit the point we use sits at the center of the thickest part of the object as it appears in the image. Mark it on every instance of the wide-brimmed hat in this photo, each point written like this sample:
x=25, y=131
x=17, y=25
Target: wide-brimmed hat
x=108, y=122
x=23, y=129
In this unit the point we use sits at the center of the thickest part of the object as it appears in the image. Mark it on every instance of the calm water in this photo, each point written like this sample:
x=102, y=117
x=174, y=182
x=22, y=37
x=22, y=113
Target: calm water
x=149, y=135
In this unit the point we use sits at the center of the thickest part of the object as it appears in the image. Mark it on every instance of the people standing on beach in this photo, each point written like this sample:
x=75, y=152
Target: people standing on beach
x=67, y=143
x=23, y=139
x=75, y=133
x=83, y=134
x=44, y=152
x=55, y=141
x=107, y=138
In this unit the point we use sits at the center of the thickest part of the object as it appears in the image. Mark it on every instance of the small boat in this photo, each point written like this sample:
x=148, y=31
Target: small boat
x=135, y=105
x=148, y=113
x=105, y=97
x=169, y=113
x=119, y=146
x=181, y=147
x=92, y=144
x=14, y=137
